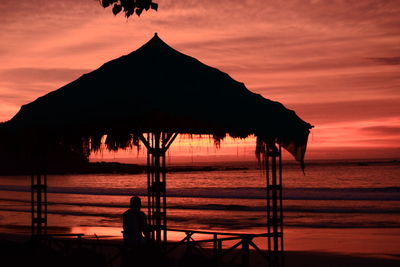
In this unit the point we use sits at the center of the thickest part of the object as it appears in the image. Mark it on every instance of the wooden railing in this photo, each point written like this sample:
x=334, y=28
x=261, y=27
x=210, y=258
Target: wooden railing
x=216, y=247
x=217, y=251
x=61, y=242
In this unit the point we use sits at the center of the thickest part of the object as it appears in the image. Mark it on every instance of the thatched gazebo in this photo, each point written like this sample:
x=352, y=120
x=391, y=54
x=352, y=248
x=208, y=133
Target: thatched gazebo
x=151, y=95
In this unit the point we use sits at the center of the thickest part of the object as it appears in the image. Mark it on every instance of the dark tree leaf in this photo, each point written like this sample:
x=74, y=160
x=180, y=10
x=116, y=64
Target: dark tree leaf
x=127, y=4
x=146, y=4
x=154, y=6
x=129, y=12
x=107, y=3
x=139, y=11
x=129, y=7
x=141, y=3
x=116, y=9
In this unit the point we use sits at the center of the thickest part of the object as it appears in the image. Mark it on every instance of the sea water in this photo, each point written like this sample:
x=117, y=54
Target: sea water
x=332, y=206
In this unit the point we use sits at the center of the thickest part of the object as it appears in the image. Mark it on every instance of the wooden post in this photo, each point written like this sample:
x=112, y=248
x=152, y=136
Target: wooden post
x=281, y=203
x=245, y=251
x=39, y=205
x=157, y=144
x=149, y=206
x=273, y=168
x=32, y=205
x=38, y=160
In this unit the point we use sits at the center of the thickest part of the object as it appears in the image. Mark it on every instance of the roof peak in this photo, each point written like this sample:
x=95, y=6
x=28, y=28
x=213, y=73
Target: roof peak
x=156, y=42
x=156, y=38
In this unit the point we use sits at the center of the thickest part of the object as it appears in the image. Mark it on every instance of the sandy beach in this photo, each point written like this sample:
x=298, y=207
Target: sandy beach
x=16, y=250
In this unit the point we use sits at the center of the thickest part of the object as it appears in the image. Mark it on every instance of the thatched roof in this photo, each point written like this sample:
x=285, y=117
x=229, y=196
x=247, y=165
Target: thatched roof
x=157, y=88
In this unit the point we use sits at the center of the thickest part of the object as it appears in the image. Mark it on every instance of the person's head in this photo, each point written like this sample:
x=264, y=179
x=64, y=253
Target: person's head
x=136, y=203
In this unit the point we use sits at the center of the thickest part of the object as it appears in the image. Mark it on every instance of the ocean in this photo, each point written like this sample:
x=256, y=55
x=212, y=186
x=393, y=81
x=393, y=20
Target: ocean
x=334, y=206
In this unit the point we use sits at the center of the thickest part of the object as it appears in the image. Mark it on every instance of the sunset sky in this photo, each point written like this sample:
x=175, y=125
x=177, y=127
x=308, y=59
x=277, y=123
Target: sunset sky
x=335, y=62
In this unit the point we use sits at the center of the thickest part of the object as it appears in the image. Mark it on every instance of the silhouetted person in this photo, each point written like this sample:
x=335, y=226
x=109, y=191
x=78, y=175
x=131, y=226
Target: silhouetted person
x=135, y=224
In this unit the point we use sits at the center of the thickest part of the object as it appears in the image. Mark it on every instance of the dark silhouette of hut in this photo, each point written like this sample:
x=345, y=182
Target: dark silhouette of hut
x=151, y=95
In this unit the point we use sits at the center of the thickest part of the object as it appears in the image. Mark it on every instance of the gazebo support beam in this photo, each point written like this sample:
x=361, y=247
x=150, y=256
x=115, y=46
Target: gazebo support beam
x=157, y=144
x=39, y=205
x=273, y=161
